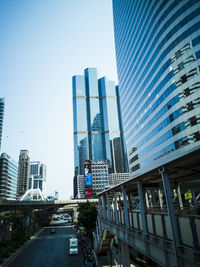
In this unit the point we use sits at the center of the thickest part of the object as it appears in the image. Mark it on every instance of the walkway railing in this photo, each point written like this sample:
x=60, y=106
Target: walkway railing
x=158, y=225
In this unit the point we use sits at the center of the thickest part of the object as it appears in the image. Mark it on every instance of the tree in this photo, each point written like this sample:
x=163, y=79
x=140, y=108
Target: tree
x=87, y=217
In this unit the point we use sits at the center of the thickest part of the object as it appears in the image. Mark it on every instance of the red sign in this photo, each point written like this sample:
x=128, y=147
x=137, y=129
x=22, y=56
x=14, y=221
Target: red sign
x=88, y=193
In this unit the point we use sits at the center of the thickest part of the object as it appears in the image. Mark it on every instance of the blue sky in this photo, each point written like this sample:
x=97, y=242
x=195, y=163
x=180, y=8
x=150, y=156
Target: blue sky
x=43, y=43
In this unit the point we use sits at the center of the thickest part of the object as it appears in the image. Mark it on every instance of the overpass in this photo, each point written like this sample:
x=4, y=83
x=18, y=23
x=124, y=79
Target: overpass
x=12, y=204
x=155, y=215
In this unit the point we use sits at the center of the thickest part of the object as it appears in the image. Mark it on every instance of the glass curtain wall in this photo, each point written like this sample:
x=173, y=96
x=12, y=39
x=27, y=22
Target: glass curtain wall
x=158, y=61
x=81, y=150
x=98, y=133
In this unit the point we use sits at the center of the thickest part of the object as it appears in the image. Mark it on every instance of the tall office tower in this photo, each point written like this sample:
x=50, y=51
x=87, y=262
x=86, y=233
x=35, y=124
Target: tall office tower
x=23, y=172
x=8, y=177
x=1, y=118
x=37, y=177
x=98, y=133
x=158, y=60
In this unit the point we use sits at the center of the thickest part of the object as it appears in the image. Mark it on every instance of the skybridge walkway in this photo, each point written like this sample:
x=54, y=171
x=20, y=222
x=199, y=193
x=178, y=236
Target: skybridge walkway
x=155, y=215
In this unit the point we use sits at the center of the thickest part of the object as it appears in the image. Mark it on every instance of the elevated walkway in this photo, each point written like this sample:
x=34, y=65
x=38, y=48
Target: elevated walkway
x=13, y=204
x=156, y=215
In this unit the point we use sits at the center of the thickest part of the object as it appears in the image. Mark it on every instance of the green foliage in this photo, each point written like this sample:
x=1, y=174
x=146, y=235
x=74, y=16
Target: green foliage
x=87, y=217
x=18, y=226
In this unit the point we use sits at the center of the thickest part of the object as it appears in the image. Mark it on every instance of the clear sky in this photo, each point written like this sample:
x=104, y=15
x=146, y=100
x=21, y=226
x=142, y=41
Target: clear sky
x=43, y=43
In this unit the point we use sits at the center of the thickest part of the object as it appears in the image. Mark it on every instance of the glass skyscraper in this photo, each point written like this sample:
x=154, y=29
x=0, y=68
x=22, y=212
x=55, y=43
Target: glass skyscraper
x=98, y=133
x=1, y=118
x=8, y=177
x=158, y=60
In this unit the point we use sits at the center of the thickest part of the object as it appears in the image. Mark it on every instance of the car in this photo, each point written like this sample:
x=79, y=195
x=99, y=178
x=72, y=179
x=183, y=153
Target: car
x=73, y=246
x=53, y=231
x=89, y=263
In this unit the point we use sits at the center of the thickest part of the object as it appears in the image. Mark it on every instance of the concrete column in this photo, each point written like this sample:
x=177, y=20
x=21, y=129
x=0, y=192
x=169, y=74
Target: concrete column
x=108, y=206
x=125, y=207
x=104, y=207
x=116, y=209
x=142, y=208
x=171, y=213
x=125, y=257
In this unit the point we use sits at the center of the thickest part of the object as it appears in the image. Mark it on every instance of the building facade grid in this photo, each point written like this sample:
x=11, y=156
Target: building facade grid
x=158, y=60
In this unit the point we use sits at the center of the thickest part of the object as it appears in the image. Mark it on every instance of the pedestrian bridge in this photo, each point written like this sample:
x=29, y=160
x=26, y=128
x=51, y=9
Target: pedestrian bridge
x=13, y=204
x=155, y=215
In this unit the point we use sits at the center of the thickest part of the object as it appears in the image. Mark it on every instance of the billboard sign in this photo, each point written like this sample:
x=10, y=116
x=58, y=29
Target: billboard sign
x=87, y=167
x=88, y=179
x=88, y=174
x=88, y=192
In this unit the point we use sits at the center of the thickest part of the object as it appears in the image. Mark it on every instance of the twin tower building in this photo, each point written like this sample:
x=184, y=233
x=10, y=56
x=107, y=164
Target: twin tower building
x=98, y=134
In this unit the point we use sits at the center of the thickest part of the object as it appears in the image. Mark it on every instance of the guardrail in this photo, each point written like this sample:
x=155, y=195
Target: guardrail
x=158, y=225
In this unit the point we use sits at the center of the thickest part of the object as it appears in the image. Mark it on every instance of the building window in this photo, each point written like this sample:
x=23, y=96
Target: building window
x=193, y=121
x=136, y=167
x=196, y=136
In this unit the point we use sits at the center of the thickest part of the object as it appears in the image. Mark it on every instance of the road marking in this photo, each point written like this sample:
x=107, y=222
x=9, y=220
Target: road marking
x=22, y=248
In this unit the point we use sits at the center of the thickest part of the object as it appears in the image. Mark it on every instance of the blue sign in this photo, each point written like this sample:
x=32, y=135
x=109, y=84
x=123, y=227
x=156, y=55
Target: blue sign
x=88, y=179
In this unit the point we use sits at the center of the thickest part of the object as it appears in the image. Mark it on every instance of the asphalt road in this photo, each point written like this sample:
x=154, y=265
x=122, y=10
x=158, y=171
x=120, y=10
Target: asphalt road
x=49, y=250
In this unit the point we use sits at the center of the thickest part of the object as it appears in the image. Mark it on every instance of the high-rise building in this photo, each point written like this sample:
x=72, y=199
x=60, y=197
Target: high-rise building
x=8, y=177
x=1, y=118
x=99, y=170
x=101, y=180
x=37, y=177
x=98, y=133
x=158, y=60
x=79, y=186
x=23, y=173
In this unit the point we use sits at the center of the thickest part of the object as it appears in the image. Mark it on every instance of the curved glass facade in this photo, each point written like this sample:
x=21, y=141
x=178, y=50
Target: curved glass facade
x=98, y=133
x=158, y=60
